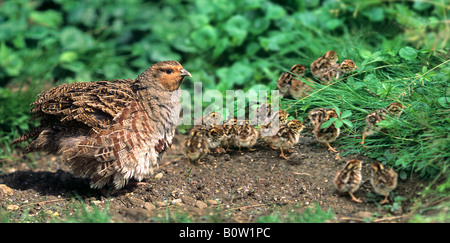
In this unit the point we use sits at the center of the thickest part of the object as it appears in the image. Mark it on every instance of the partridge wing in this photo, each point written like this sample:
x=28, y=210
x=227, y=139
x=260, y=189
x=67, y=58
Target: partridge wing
x=94, y=104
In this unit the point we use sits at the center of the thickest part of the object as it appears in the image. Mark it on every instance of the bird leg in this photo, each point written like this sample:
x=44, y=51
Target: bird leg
x=220, y=150
x=354, y=198
x=363, y=137
x=272, y=146
x=189, y=160
x=386, y=200
x=282, y=154
x=251, y=149
x=331, y=148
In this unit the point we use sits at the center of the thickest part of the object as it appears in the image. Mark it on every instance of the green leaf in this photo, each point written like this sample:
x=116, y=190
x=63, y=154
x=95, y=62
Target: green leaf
x=348, y=123
x=338, y=111
x=328, y=123
x=346, y=113
x=259, y=25
x=338, y=123
x=49, y=18
x=374, y=14
x=408, y=53
x=10, y=61
x=274, y=11
x=205, y=37
x=73, y=38
x=68, y=56
x=365, y=54
x=444, y=101
x=237, y=27
x=221, y=46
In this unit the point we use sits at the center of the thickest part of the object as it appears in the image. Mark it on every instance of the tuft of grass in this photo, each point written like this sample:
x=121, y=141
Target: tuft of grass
x=80, y=212
x=310, y=215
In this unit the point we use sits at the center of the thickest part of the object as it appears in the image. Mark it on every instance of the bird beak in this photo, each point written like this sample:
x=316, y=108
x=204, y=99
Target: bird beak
x=184, y=72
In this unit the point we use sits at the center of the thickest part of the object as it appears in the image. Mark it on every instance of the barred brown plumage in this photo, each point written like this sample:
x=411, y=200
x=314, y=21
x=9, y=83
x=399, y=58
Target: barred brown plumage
x=110, y=131
x=323, y=63
x=326, y=135
x=349, y=179
x=395, y=109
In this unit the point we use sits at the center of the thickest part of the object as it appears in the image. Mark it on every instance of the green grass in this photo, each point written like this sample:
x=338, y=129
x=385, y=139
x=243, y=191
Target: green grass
x=309, y=215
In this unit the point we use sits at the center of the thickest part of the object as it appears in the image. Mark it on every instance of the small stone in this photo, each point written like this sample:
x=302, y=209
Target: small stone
x=201, y=204
x=149, y=206
x=161, y=204
x=5, y=190
x=96, y=202
x=177, y=201
x=363, y=214
x=159, y=175
x=213, y=202
x=12, y=207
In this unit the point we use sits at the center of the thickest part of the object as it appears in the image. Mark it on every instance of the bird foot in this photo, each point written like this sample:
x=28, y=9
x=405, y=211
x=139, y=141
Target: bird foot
x=385, y=200
x=355, y=199
x=220, y=150
x=332, y=150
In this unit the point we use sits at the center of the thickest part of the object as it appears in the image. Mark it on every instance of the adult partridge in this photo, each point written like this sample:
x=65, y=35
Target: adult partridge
x=110, y=131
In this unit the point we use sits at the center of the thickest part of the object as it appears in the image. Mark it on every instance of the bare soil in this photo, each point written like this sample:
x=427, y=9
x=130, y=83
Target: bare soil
x=232, y=187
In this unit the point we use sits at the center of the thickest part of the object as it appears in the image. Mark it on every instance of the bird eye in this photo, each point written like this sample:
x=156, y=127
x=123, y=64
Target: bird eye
x=169, y=71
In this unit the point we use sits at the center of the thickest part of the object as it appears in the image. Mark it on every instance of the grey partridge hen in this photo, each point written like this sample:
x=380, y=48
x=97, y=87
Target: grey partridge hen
x=110, y=131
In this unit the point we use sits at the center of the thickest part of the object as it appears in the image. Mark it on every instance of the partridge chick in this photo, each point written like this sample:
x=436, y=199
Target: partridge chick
x=394, y=109
x=338, y=71
x=383, y=180
x=300, y=87
x=323, y=63
x=215, y=137
x=110, y=131
x=195, y=146
x=272, y=126
x=288, y=135
x=285, y=80
x=246, y=137
x=230, y=127
x=210, y=119
x=324, y=135
x=349, y=178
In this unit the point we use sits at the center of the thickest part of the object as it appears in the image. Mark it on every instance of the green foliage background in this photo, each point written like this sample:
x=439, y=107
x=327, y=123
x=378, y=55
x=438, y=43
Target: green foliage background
x=400, y=47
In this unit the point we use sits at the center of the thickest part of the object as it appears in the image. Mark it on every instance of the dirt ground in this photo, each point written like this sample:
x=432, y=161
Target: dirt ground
x=232, y=187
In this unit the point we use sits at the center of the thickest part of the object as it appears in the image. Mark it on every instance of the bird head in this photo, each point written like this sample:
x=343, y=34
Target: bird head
x=166, y=75
x=395, y=108
x=295, y=125
x=353, y=165
x=298, y=69
x=377, y=166
x=348, y=66
x=331, y=56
